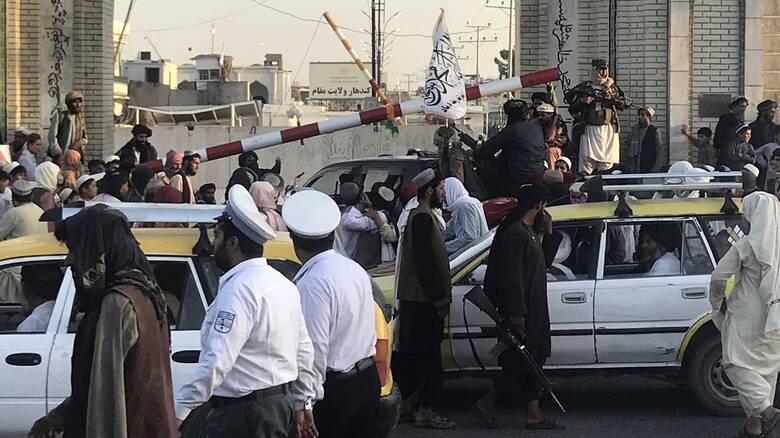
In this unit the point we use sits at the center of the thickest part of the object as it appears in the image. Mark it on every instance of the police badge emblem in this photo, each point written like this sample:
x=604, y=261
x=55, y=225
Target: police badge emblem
x=224, y=322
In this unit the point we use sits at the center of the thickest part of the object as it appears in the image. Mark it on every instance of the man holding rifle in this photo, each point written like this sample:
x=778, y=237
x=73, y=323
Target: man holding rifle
x=516, y=283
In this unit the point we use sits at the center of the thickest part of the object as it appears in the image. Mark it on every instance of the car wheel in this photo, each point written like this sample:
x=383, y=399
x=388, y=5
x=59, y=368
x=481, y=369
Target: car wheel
x=709, y=381
x=195, y=425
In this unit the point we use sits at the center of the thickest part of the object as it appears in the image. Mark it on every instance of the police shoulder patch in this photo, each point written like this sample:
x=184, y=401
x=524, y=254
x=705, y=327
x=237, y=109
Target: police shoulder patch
x=224, y=322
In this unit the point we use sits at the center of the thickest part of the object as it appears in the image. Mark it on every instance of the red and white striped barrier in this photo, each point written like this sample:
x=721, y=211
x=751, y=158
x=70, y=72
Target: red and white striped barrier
x=379, y=114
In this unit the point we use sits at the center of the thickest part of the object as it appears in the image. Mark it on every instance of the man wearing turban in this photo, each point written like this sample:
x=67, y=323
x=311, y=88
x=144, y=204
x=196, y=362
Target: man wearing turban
x=68, y=130
x=138, y=150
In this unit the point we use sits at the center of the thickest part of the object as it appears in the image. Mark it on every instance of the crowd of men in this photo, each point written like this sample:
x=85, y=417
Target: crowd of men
x=305, y=357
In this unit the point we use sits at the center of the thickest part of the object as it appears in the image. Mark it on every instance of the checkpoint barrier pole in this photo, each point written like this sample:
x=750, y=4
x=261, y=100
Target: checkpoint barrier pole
x=374, y=115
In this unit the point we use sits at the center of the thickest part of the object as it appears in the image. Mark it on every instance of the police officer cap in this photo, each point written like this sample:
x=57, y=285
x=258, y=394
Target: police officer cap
x=22, y=188
x=311, y=214
x=242, y=212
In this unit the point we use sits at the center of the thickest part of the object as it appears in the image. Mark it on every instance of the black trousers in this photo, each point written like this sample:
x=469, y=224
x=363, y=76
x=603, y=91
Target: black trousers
x=350, y=407
x=417, y=366
x=261, y=417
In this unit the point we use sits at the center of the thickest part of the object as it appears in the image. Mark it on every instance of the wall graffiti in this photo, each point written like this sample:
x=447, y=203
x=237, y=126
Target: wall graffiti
x=60, y=41
x=562, y=33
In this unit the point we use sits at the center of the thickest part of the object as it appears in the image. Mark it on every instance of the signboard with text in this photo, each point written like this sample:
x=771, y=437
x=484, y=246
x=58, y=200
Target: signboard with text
x=337, y=80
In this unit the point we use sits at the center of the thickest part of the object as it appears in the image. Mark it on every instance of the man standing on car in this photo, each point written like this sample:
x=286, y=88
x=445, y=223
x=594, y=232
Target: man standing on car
x=121, y=370
x=338, y=307
x=424, y=294
x=516, y=282
x=254, y=343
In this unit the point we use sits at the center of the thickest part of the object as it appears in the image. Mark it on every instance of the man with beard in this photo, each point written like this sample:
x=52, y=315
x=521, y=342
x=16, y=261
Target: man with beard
x=249, y=172
x=522, y=146
x=182, y=181
x=726, y=129
x=597, y=101
x=764, y=127
x=121, y=373
x=68, y=129
x=20, y=139
x=424, y=295
x=655, y=249
x=338, y=306
x=254, y=343
x=516, y=282
x=138, y=150
x=206, y=194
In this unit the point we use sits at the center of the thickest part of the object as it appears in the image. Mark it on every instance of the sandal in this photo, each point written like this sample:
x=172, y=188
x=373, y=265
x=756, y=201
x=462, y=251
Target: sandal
x=488, y=420
x=767, y=426
x=545, y=425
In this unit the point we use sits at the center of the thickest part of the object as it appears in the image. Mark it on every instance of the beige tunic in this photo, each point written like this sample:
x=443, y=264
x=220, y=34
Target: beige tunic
x=23, y=220
x=751, y=356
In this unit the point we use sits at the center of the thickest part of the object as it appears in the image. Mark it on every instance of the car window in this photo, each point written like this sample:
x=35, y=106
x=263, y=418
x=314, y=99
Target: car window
x=572, y=252
x=696, y=258
x=28, y=292
x=646, y=249
x=184, y=306
x=723, y=232
x=210, y=273
x=330, y=181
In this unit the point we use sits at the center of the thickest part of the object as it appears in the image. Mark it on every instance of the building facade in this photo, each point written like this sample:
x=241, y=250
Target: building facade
x=153, y=71
x=684, y=58
x=48, y=48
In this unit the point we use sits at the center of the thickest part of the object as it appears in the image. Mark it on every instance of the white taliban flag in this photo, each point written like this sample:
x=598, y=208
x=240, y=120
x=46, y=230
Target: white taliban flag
x=445, y=87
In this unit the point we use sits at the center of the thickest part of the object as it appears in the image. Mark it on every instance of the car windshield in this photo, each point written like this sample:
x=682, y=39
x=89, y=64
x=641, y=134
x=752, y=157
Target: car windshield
x=466, y=254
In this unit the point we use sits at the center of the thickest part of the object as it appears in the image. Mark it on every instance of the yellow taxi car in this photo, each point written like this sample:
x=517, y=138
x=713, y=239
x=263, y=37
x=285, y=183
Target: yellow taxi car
x=35, y=365
x=606, y=312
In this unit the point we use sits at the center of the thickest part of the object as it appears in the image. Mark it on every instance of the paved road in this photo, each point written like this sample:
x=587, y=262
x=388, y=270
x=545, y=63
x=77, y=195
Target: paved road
x=601, y=406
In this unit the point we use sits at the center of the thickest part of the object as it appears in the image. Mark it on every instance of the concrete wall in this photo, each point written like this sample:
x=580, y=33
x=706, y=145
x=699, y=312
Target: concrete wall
x=316, y=152
x=147, y=94
x=771, y=40
x=223, y=93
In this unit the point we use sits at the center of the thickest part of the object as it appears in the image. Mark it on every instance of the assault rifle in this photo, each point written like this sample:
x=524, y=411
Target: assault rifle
x=512, y=338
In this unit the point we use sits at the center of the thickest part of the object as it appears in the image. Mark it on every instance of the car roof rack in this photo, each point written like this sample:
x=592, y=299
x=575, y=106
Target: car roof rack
x=624, y=183
x=146, y=212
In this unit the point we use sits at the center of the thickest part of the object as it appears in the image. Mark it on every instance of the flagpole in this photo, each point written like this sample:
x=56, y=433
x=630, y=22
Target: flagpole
x=274, y=138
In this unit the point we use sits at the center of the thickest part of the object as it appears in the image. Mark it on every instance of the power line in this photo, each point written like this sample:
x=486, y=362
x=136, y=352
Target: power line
x=200, y=23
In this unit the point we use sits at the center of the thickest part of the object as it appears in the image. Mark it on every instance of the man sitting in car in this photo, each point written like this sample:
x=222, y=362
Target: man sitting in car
x=40, y=284
x=655, y=250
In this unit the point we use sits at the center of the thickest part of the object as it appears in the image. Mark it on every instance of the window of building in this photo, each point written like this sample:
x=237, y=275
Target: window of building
x=152, y=75
x=203, y=75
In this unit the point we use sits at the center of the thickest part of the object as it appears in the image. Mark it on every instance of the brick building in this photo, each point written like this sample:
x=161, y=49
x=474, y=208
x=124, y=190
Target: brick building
x=48, y=48
x=685, y=58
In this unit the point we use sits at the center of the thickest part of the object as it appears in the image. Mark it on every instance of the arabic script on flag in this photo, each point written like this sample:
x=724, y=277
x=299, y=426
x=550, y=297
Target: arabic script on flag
x=445, y=88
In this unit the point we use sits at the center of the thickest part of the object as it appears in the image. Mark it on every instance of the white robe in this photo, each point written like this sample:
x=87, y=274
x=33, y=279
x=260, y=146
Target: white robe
x=747, y=319
x=600, y=144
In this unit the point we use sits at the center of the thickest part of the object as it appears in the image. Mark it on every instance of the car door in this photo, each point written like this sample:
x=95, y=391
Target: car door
x=186, y=302
x=24, y=355
x=570, y=291
x=641, y=318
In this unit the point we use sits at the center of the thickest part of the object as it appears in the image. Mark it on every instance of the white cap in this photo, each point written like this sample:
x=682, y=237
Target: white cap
x=311, y=214
x=565, y=160
x=111, y=159
x=545, y=108
x=22, y=130
x=752, y=169
x=22, y=187
x=13, y=165
x=242, y=212
x=83, y=179
x=650, y=110
x=66, y=193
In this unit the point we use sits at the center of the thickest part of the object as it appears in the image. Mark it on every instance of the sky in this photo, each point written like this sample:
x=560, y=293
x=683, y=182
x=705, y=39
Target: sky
x=248, y=29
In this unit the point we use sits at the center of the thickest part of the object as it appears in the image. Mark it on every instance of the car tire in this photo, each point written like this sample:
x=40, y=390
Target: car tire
x=195, y=424
x=709, y=382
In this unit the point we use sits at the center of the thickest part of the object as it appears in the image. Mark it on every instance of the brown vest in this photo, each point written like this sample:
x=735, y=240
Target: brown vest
x=147, y=369
x=409, y=286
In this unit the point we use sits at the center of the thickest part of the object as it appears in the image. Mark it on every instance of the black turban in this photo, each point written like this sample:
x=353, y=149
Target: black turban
x=142, y=129
x=664, y=234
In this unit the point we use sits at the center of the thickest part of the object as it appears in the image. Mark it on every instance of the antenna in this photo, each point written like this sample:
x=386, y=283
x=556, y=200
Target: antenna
x=153, y=47
x=213, y=34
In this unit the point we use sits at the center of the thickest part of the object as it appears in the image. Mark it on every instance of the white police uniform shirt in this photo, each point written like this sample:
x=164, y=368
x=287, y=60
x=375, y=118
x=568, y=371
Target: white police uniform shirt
x=338, y=306
x=253, y=337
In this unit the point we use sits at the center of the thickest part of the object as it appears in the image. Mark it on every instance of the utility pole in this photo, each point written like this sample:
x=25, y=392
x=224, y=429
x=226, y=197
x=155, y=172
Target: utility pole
x=508, y=11
x=409, y=77
x=380, y=11
x=213, y=34
x=373, y=43
x=478, y=41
